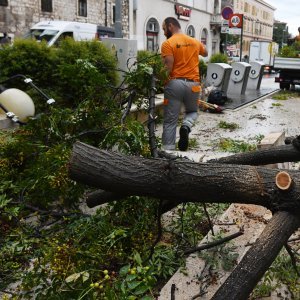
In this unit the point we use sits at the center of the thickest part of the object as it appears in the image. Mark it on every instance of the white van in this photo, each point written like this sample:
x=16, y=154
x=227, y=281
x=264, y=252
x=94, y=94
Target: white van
x=55, y=31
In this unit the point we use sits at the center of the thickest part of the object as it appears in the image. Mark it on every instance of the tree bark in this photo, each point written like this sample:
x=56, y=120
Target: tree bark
x=99, y=197
x=286, y=153
x=182, y=181
x=259, y=258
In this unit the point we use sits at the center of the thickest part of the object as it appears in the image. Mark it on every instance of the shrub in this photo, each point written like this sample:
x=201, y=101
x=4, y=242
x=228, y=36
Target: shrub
x=85, y=70
x=218, y=58
x=72, y=73
x=202, y=68
x=290, y=51
x=81, y=75
x=148, y=63
x=29, y=58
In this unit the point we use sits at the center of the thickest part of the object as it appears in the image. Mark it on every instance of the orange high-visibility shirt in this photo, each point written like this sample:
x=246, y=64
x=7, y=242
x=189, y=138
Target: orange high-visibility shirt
x=186, y=51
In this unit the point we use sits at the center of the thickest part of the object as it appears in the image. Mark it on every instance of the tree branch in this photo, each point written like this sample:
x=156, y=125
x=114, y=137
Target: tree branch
x=259, y=257
x=215, y=243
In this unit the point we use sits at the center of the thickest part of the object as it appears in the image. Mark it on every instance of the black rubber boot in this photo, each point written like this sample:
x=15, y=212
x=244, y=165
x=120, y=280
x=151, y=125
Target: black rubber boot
x=183, y=142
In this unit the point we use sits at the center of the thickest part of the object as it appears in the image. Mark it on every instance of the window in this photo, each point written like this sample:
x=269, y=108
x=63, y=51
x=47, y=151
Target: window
x=63, y=36
x=114, y=13
x=204, y=37
x=246, y=7
x=152, y=29
x=191, y=31
x=152, y=25
x=46, y=5
x=82, y=8
x=4, y=2
x=216, y=7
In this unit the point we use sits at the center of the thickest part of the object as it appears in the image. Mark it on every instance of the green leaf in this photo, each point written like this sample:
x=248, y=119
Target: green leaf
x=141, y=290
x=73, y=277
x=137, y=258
x=85, y=276
x=130, y=277
x=123, y=289
x=133, y=284
x=3, y=201
x=124, y=270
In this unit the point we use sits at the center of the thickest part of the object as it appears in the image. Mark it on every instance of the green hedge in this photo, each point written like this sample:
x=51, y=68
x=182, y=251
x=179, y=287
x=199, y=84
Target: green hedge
x=72, y=73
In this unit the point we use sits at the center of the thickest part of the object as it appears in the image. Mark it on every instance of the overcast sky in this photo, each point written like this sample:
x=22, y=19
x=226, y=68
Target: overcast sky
x=287, y=11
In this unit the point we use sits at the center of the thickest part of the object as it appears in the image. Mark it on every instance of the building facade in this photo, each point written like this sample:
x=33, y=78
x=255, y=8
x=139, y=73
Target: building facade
x=17, y=16
x=141, y=19
x=258, y=20
x=198, y=18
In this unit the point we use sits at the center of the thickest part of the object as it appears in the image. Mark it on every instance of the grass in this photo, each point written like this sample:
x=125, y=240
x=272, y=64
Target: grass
x=285, y=95
x=276, y=104
x=228, y=125
x=235, y=146
x=193, y=143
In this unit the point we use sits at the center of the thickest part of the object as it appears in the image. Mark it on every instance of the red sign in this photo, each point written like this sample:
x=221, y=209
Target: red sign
x=226, y=12
x=236, y=21
x=182, y=12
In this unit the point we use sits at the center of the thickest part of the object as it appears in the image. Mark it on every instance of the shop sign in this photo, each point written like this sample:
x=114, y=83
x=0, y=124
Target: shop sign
x=183, y=13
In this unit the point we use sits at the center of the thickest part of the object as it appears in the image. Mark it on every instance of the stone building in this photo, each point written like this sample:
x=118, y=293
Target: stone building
x=17, y=16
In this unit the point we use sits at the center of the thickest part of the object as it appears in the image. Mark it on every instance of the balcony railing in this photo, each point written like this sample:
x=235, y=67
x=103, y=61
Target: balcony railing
x=216, y=19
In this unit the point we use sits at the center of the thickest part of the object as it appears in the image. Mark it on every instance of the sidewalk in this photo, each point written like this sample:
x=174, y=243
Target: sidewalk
x=258, y=118
x=262, y=117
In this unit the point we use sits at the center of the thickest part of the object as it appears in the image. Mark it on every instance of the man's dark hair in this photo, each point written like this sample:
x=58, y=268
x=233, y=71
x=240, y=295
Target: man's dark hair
x=171, y=20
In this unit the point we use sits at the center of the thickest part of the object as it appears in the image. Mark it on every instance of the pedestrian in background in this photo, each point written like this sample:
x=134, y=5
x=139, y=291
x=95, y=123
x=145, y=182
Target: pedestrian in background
x=180, y=54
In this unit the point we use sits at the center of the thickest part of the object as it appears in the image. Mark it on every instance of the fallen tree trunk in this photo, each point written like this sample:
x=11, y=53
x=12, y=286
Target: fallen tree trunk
x=182, y=181
x=285, y=153
x=177, y=181
x=258, y=258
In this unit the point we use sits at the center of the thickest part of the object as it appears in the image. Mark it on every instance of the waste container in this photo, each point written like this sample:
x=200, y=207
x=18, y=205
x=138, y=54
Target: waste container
x=255, y=75
x=218, y=75
x=239, y=78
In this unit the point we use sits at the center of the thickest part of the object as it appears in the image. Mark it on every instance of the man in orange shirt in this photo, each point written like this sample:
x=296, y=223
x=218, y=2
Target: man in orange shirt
x=180, y=54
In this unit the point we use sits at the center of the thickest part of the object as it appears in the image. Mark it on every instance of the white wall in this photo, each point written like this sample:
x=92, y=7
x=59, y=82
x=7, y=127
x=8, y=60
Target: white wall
x=160, y=9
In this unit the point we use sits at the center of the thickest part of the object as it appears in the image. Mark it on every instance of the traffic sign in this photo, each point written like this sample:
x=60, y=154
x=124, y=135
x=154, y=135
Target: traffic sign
x=226, y=12
x=234, y=30
x=225, y=23
x=224, y=29
x=236, y=21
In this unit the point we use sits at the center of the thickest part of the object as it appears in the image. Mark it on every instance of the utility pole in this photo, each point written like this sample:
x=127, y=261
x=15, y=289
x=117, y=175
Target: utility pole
x=118, y=22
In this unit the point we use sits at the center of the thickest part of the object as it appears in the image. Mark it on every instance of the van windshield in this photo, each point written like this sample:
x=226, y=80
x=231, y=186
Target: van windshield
x=41, y=34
